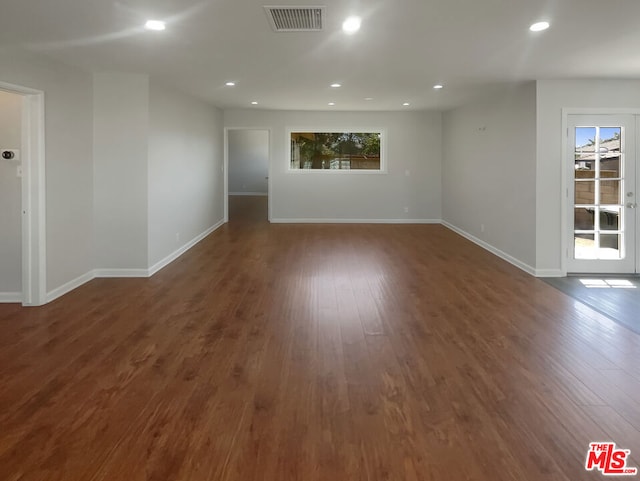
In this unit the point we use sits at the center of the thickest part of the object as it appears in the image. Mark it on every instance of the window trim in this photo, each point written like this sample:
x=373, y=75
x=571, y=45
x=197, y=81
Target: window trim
x=383, y=151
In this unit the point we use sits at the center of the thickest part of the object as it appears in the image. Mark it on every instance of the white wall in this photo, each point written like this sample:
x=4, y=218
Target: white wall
x=248, y=152
x=158, y=171
x=10, y=196
x=68, y=152
x=489, y=171
x=413, y=144
x=186, y=191
x=552, y=97
x=121, y=126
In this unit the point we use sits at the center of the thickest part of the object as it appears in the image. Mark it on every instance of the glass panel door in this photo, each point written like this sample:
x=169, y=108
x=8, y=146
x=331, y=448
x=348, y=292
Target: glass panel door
x=602, y=193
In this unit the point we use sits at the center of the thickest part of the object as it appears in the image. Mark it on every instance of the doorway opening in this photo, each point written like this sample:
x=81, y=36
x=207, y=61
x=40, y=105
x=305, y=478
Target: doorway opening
x=247, y=175
x=24, y=176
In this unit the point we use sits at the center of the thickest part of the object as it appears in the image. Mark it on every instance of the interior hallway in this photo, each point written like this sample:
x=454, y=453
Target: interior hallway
x=248, y=209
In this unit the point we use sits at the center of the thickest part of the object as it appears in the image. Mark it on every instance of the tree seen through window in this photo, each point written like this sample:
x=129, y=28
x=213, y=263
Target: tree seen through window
x=335, y=150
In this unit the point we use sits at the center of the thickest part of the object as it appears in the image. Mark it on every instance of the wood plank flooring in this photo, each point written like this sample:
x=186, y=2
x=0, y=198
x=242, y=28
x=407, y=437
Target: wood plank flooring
x=617, y=297
x=316, y=352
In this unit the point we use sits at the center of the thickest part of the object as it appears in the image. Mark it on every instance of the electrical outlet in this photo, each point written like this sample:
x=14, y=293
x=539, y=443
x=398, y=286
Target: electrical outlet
x=406, y=210
x=177, y=236
x=481, y=227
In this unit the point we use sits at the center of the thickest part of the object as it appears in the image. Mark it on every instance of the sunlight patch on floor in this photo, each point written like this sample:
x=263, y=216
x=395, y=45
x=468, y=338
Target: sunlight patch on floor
x=607, y=284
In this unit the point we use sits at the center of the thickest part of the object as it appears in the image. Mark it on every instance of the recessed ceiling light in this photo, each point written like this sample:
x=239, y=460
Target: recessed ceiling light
x=331, y=103
x=230, y=84
x=438, y=86
x=335, y=86
x=406, y=104
x=254, y=103
x=155, y=25
x=351, y=25
x=539, y=26
x=368, y=98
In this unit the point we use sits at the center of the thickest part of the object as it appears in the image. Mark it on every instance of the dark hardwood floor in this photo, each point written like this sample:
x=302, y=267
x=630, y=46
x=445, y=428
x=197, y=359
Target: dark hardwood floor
x=316, y=352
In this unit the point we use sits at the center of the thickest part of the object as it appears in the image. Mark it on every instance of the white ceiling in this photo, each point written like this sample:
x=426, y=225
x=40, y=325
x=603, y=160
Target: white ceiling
x=403, y=48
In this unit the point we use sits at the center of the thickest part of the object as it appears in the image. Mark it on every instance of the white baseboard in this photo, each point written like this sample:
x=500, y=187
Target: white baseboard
x=261, y=194
x=69, y=286
x=121, y=273
x=494, y=250
x=355, y=221
x=10, y=297
x=174, y=255
x=6, y=297
x=77, y=282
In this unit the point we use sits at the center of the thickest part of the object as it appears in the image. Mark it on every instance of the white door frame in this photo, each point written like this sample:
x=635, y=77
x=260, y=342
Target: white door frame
x=565, y=178
x=33, y=195
x=226, y=169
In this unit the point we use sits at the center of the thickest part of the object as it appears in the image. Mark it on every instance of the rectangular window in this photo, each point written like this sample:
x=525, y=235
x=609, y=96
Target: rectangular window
x=336, y=151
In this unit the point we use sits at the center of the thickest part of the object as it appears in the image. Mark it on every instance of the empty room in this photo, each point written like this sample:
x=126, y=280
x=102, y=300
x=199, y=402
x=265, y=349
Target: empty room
x=319, y=240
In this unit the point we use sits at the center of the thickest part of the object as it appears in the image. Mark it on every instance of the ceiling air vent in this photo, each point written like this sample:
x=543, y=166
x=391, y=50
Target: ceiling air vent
x=295, y=19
